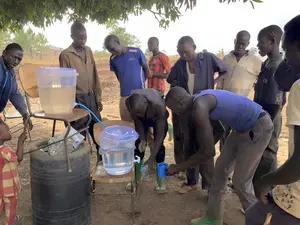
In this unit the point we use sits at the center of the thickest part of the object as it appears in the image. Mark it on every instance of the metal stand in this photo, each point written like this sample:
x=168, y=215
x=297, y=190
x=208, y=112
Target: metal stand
x=124, y=179
x=67, y=119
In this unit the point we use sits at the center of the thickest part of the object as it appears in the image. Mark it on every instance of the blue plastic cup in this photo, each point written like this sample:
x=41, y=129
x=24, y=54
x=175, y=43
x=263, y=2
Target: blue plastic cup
x=161, y=169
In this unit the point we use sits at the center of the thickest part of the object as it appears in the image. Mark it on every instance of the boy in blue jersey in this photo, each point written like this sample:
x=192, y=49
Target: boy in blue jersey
x=252, y=128
x=131, y=68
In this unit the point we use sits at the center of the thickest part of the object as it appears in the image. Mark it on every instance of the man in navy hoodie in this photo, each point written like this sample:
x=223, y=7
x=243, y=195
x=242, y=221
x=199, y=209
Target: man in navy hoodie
x=194, y=72
x=11, y=57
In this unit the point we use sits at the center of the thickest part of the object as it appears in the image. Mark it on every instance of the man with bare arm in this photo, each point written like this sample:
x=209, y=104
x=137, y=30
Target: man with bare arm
x=252, y=128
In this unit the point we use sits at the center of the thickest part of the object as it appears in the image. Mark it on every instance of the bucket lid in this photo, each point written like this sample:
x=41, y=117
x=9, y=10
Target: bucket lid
x=119, y=134
x=44, y=71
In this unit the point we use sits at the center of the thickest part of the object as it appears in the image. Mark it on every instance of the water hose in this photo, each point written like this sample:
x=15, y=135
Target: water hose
x=93, y=114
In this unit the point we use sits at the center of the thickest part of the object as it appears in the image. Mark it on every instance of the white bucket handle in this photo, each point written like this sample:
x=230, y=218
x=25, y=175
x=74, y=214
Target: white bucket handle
x=137, y=159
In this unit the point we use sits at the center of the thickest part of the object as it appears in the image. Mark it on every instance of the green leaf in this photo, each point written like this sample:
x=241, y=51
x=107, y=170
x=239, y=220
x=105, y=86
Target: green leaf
x=125, y=38
x=78, y=5
x=15, y=15
x=252, y=4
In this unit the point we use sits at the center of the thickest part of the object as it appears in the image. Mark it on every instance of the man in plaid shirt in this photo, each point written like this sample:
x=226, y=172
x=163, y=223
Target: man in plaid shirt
x=159, y=65
x=10, y=184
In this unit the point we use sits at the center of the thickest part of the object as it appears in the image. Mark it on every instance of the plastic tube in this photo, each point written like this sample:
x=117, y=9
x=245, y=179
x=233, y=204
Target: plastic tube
x=93, y=114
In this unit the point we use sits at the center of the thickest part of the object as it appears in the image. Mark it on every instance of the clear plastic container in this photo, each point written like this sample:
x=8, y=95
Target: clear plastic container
x=117, y=144
x=57, y=89
x=145, y=173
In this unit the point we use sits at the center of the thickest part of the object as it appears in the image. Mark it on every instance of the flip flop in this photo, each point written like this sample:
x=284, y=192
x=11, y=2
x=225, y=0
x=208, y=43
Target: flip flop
x=205, y=221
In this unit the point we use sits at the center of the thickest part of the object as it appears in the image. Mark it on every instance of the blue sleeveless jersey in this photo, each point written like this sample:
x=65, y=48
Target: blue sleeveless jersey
x=236, y=111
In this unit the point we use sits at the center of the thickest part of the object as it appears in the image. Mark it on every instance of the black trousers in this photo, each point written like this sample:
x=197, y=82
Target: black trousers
x=185, y=145
x=160, y=157
x=177, y=139
x=89, y=100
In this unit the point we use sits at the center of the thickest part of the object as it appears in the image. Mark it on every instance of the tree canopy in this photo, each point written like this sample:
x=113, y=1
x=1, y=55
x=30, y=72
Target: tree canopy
x=30, y=41
x=5, y=39
x=15, y=14
x=125, y=38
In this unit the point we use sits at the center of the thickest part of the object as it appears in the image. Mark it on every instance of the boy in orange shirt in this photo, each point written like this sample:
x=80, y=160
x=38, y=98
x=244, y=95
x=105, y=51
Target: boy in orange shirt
x=9, y=178
x=159, y=65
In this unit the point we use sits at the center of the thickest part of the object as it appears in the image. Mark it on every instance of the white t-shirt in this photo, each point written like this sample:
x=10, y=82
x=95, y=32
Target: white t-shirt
x=287, y=197
x=191, y=79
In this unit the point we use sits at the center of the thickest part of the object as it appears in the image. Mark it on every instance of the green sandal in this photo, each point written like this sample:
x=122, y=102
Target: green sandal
x=205, y=221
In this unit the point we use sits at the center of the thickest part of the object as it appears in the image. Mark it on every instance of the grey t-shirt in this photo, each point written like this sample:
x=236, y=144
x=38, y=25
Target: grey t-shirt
x=157, y=107
x=266, y=88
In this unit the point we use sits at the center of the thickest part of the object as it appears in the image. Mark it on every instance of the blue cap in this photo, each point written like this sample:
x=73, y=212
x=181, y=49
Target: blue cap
x=161, y=169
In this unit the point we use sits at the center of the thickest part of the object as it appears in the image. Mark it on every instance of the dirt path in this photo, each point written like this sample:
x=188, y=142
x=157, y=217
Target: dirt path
x=168, y=209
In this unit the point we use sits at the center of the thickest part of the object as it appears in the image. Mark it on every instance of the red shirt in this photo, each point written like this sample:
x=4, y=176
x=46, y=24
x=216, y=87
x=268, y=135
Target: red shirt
x=159, y=63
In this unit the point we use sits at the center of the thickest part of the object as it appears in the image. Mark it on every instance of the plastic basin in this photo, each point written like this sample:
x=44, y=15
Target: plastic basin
x=57, y=89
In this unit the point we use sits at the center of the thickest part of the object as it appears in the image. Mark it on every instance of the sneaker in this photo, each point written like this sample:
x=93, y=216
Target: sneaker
x=206, y=221
x=184, y=189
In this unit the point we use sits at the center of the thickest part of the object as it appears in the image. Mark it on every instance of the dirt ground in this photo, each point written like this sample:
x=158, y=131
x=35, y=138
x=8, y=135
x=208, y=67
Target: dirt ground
x=168, y=209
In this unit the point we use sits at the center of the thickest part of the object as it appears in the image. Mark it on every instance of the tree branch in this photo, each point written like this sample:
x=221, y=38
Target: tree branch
x=156, y=13
x=15, y=16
